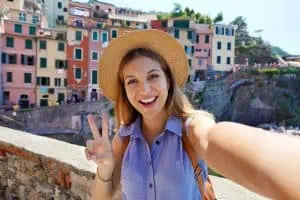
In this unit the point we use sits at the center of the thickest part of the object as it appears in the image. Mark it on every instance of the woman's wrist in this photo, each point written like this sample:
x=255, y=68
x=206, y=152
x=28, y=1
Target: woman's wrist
x=102, y=178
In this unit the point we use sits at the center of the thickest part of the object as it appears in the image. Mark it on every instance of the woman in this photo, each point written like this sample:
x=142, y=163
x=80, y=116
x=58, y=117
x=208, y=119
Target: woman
x=142, y=72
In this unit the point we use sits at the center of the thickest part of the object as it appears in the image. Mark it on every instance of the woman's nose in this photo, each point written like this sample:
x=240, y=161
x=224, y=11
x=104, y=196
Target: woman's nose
x=146, y=87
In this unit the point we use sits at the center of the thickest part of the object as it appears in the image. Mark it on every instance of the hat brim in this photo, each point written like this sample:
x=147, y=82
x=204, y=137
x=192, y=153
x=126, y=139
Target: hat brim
x=158, y=41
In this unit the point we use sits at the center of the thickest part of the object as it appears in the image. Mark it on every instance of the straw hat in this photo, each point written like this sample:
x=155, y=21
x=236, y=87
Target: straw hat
x=161, y=42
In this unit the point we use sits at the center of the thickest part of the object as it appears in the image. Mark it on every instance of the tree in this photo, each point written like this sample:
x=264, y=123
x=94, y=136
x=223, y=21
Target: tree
x=177, y=10
x=219, y=17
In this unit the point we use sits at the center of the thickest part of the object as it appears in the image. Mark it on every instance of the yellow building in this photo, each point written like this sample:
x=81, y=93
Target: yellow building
x=183, y=31
x=223, y=43
x=51, y=67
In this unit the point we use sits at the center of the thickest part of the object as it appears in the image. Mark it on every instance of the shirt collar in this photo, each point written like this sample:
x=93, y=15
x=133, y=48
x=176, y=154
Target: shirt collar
x=173, y=125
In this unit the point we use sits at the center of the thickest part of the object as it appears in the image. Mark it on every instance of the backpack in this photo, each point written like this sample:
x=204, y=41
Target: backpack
x=206, y=191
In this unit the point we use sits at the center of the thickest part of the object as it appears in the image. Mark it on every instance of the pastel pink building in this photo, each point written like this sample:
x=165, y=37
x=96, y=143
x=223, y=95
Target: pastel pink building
x=98, y=40
x=18, y=63
x=203, y=50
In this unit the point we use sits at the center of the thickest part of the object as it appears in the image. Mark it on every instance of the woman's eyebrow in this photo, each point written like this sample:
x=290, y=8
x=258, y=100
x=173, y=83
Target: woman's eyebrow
x=152, y=70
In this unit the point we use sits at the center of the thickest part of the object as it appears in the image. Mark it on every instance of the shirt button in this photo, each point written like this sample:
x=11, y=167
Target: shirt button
x=150, y=185
x=157, y=142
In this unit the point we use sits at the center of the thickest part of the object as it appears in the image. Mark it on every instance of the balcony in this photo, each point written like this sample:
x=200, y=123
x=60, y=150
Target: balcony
x=100, y=15
x=79, y=12
x=34, y=3
x=61, y=22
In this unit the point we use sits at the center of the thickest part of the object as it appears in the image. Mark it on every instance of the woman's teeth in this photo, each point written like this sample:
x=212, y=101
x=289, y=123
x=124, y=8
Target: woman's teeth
x=150, y=100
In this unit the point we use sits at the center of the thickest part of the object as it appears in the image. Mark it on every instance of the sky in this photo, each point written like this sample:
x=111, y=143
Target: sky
x=279, y=19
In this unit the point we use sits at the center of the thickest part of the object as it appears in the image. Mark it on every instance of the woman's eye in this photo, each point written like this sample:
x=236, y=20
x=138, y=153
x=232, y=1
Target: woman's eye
x=152, y=76
x=131, y=81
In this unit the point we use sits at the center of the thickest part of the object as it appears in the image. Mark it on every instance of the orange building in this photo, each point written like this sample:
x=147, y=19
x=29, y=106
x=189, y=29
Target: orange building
x=78, y=50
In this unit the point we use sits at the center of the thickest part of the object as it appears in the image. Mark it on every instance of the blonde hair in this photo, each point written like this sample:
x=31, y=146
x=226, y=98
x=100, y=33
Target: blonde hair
x=177, y=103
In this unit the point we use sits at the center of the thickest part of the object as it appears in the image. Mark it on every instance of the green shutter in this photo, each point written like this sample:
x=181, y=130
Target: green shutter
x=28, y=44
x=114, y=34
x=43, y=44
x=27, y=78
x=32, y=30
x=94, y=77
x=61, y=46
x=66, y=64
x=78, y=35
x=181, y=24
x=9, y=77
x=43, y=62
x=190, y=35
x=3, y=58
x=78, y=54
x=38, y=80
x=95, y=35
x=18, y=28
x=66, y=82
x=94, y=55
x=176, y=33
x=78, y=73
x=10, y=42
x=104, y=37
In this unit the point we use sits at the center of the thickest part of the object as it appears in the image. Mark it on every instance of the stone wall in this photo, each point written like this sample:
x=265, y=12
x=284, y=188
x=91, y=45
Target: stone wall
x=34, y=167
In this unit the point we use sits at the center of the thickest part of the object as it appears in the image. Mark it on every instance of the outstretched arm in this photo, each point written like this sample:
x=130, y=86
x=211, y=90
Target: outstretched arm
x=266, y=163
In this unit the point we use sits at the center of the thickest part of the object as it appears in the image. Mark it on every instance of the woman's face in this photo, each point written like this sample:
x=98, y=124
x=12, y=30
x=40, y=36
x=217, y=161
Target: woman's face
x=146, y=86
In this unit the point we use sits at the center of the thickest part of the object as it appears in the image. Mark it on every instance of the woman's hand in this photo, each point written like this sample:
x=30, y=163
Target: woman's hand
x=197, y=127
x=99, y=150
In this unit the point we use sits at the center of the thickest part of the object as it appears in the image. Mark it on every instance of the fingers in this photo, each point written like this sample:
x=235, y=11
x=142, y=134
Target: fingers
x=93, y=127
x=105, y=130
x=87, y=154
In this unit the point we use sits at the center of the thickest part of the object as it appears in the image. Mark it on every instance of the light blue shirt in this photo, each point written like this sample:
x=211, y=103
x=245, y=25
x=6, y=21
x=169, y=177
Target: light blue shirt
x=161, y=172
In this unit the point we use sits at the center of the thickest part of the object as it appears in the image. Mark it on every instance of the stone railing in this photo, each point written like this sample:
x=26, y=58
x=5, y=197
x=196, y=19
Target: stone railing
x=35, y=167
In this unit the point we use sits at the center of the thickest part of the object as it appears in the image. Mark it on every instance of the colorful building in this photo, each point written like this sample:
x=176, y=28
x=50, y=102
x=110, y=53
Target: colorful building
x=160, y=25
x=51, y=67
x=223, y=44
x=57, y=12
x=78, y=53
x=203, y=51
x=18, y=55
x=183, y=31
x=99, y=39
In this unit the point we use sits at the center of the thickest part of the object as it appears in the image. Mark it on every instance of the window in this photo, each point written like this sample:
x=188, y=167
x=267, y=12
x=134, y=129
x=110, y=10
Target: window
x=114, y=33
x=228, y=61
x=95, y=35
x=65, y=9
x=9, y=58
x=78, y=54
x=219, y=45
x=43, y=62
x=65, y=82
x=185, y=48
x=61, y=64
x=176, y=33
x=190, y=62
x=217, y=30
x=9, y=42
x=18, y=28
x=206, y=39
x=223, y=30
x=190, y=35
x=28, y=44
x=60, y=18
x=9, y=77
x=35, y=19
x=128, y=23
x=61, y=46
x=43, y=81
x=59, y=5
x=95, y=55
x=197, y=38
x=200, y=61
x=232, y=32
x=164, y=24
x=32, y=30
x=27, y=77
x=43, y=44
x=218, y=59
x=94, y=76
x=193, y=50
x=57, y=82
x=27, y=60
x=22, y=17
x=78, y=35
x=99, y=25
x=104, y=37
x=228, y=45
x=77, y=73
x=227, y=31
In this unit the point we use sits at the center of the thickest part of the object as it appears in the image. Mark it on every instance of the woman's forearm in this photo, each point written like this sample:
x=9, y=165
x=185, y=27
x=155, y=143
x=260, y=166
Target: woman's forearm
x=259, y=160
x=101, y=190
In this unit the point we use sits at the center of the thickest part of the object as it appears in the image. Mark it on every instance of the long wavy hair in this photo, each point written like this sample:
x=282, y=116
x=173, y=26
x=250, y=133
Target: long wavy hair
x=177, y=103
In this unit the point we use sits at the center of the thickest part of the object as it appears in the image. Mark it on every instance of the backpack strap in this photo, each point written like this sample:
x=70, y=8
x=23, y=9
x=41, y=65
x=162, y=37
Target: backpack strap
x=206, y=189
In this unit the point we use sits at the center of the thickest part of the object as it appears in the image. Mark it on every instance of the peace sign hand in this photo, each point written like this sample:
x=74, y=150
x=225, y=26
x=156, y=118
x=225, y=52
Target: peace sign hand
x=99, y=150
